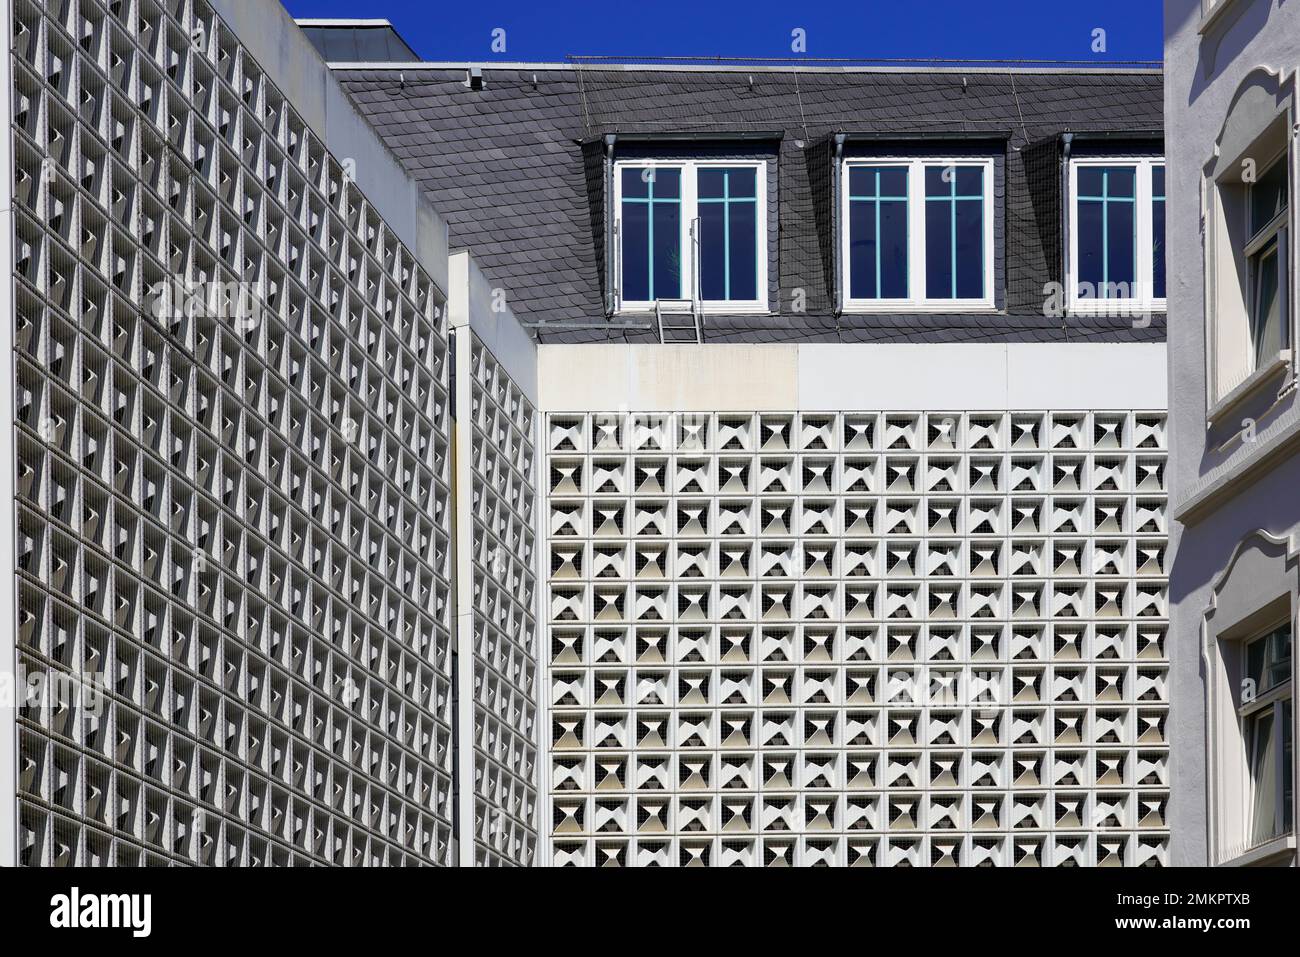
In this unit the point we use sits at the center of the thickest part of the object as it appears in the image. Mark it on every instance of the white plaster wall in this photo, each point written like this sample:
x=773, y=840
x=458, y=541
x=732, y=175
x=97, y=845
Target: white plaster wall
x=1203, y=69
x=966, y=377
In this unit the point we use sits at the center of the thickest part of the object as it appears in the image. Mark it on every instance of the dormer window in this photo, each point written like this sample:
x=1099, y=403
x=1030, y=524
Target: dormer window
x=1117, y=236
x=693, y=231
x=918, y=234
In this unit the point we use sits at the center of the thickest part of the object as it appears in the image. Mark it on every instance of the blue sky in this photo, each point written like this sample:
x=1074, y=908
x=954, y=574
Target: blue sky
x=976, y=29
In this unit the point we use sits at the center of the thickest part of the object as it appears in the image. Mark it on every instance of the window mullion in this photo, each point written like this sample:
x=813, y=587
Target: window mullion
x=876, y=204
x=726, y=236
x=952, y=233
x=1143, y=253
x=1072, y=220
x=692, y=244
x=986, y=241
x=761, y=294
x=1105, y=233
x=650, y=241
x=916, y=267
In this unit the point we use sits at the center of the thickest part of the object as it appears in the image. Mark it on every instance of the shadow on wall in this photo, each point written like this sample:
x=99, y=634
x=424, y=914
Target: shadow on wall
x=1238, y=24
x=819, y=161
x=1273, y=507
x=1043, y=173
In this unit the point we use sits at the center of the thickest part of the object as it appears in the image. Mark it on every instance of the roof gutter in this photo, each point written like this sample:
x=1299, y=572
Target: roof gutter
x=1067, y=142
x=1090, y=135
x=878, y=136
x=837, y=192
x=608, y=188
x=688, y=136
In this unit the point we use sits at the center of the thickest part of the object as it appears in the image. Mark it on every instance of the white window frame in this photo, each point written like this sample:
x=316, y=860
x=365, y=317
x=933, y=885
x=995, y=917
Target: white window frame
x=689, y=235
x=1273, y=700
x=1275, y=230
x=1145, y=302
x=1234, y=369
x=916, y=300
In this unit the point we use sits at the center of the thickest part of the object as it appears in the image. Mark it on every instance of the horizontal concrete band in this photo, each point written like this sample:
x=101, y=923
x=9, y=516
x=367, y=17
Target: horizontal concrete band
x=823, y=377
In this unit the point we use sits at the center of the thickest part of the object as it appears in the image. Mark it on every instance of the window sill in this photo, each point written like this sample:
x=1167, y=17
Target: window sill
x=934, y=308
x=1270, y=853
x=742, y=309
x=1116, y=309
x=738, y=310
x=1251, y=386
x=1281, y=437
x=1209, y=20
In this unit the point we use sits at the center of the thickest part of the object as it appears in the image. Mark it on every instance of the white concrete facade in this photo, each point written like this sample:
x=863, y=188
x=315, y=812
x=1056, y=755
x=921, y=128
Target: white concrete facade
x=855, y=605
x=8, y=531
x=494, y=495
x=233, y=517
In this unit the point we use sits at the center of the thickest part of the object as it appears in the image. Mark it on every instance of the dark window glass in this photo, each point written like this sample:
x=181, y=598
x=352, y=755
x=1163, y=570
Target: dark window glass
x=636, y=182
x=636, y=251
x=1268, y=659
x=728, y=213
x=651, y=234
x=954, y=232
x=893, y=181
x=1267, y=733
x=893, y=250
x=1268, y=196
x=1088, y=224
x=667, y=251
x=1266, y=319
x=970, y=180
x=713, y=271
x=743, y=260
x=1121, y=272
x=970, y=250
x=712, y=183
x=725, y=182
x=938, y=250
x=1106, y=225
x=1090, y=178
x=1121, y=182
x=878, y=232
x=1262, y=753
x=862, y=251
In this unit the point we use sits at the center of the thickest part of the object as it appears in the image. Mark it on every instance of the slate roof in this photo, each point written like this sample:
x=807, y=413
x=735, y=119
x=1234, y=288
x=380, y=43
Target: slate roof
x=515, y=169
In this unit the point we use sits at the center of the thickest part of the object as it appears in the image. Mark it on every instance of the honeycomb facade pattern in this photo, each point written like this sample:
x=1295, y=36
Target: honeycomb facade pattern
x=240, y=521
x=856, y=638
x=502, y=623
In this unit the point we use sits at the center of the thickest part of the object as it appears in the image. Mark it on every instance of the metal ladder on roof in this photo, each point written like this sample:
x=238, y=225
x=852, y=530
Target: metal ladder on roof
x=678, y=320
x=682, y=320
